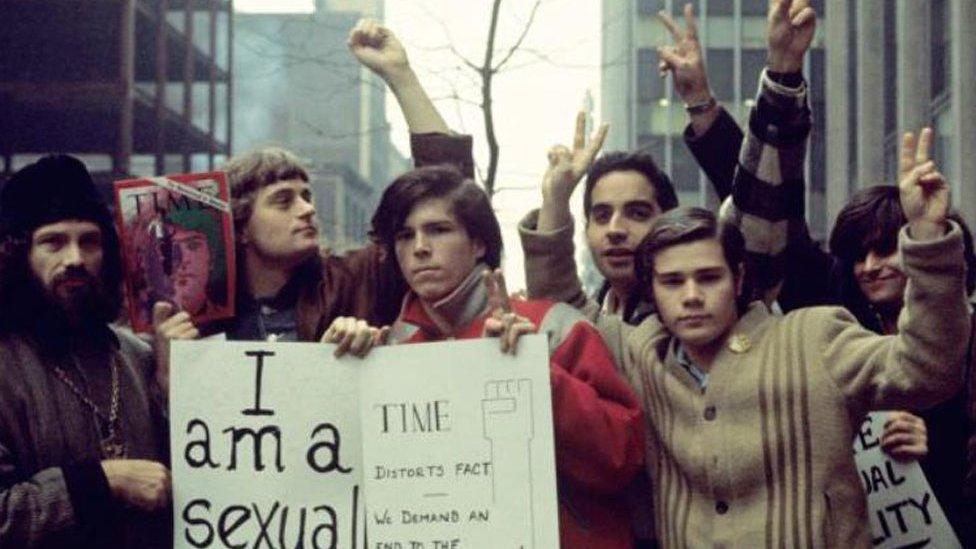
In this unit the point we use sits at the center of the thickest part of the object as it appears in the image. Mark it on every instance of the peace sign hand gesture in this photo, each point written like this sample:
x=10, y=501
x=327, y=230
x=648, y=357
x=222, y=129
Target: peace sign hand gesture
x=791, y=26
x=502, y=323
x=567, y=167
x=684, y=59
x=925, y=196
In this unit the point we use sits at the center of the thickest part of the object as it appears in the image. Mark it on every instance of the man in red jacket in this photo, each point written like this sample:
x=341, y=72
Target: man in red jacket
x=446, y=240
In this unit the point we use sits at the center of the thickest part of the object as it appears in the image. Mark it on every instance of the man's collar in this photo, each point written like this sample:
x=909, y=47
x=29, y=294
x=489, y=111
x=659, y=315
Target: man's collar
x=685, y=361
x=459, y=308
x=633, y=312
x=287, y=295
x=750, y=324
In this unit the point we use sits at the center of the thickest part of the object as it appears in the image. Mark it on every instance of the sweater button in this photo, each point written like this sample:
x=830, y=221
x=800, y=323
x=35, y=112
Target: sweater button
x=721, y=507
x=709, y=413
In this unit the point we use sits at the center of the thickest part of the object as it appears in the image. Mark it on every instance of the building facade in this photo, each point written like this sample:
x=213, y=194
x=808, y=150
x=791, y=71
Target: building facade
x=635, y=97
x=133, y=87
x=899, y=65
x=299, y=87
x=876, y=68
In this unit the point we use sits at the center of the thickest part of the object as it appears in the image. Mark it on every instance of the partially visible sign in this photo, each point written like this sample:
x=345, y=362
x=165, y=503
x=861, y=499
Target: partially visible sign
x=427, y=446
x=266, y=447
x=901, y=505
x=458, y=447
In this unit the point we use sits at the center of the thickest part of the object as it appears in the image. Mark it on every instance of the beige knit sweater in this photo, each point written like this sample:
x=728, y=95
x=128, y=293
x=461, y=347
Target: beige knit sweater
x=762, y=458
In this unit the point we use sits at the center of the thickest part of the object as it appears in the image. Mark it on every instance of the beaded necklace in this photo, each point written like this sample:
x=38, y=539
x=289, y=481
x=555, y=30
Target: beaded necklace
x=110, y=438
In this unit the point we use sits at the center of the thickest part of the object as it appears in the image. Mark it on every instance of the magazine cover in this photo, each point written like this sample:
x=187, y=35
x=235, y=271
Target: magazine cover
x=178, y=245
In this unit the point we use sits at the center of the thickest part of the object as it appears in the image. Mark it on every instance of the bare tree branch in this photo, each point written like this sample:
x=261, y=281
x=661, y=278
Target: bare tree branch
x=487, y=73
x=450, y=40
x=325, y=134
x=464, y=59
x=521, y=38
x=457, y=97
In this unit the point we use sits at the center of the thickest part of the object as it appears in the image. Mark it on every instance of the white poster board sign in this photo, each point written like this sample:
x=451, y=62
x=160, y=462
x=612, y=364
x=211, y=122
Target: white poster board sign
x=281, y=444
x=467, y=459
x=902, y=508
x=265, y=446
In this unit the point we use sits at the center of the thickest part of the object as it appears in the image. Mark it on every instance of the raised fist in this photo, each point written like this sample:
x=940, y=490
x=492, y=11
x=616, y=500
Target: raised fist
x=377, y=48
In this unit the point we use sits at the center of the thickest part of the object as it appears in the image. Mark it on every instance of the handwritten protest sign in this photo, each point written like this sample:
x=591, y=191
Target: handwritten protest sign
x=265, y=446
x=427, y=446
x=901, y=505
x=458, y=447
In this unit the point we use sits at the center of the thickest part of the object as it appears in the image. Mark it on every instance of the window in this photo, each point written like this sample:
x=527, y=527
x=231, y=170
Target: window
x=818, y=149
x=684, y=168
x=649, y=7
x=890, y=68
x=817, y=75
x=753, y=62
x=653, y=145
x=720, y=74
x=721, y=7
x=755, y=7
x=940, y=47
x=650, y=86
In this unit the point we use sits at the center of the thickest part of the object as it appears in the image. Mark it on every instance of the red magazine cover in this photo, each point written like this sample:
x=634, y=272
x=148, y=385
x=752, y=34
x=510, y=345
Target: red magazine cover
x=178, y=245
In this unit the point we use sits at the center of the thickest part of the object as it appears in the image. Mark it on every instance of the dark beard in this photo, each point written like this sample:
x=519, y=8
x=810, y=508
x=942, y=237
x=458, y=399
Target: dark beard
x=77, y=297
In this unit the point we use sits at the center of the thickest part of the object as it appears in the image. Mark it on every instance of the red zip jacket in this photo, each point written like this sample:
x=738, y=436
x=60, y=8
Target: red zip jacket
x=598, y=423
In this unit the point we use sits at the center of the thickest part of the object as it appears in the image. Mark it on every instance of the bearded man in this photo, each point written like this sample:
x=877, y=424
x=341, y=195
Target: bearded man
x=82, y=437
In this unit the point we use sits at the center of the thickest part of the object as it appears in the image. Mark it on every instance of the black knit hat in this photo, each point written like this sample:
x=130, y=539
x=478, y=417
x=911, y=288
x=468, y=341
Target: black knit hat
x=55, y=188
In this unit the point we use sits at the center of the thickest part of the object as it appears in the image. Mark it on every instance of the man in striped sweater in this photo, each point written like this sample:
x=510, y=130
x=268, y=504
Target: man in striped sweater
x=750, y=415
x=859, y=271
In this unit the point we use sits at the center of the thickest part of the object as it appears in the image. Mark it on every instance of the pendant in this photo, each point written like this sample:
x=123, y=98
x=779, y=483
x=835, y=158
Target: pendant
x=113, y=447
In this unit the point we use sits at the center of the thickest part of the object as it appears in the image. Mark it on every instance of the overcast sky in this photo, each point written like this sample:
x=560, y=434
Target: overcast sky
x=536, y=97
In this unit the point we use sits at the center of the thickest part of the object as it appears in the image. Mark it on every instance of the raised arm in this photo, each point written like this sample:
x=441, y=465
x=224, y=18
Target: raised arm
x=715, y=140
x=566, y=168
x=767, y=193
x=547, y=236
x=377, y=48
x=922, y=365
x=684, y=60
x=712, y=135
x=431, y=140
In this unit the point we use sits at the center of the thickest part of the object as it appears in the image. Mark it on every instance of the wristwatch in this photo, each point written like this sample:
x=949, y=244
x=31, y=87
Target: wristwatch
x=701, y=108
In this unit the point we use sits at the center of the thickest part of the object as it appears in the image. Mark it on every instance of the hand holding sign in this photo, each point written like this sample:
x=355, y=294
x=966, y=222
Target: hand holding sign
x=902, y=508
x=905, y=437
x=169, y=325
x=502, y=322
x=354, y=336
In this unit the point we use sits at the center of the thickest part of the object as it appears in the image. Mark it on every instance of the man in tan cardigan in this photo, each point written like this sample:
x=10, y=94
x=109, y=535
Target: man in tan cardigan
x=750, y=415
